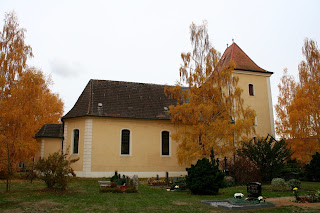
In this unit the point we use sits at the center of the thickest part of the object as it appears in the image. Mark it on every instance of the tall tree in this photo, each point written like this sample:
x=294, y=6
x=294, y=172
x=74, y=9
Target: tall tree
x=298, y=108
x=209, y=113
x=26, y=102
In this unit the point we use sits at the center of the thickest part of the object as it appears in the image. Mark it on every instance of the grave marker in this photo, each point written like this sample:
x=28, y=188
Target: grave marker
x=254, y=189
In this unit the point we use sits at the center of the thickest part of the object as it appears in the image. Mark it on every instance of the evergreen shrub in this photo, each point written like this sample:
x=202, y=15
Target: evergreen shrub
x=204, y=178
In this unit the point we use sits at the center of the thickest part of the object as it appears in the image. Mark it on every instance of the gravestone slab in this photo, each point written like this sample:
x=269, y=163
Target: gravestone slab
x=135, y=181
x=254, y=189
x=228, y=204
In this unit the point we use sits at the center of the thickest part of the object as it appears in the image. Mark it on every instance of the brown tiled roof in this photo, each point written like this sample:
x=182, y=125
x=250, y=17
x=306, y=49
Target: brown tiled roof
x=120, y=99
x=50, y=131
x=240, y=58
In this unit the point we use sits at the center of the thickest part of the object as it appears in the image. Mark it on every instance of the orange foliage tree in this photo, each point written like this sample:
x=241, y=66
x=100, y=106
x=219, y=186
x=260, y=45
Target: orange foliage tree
x=209, y=113
x=26, y=102
x=298, y=108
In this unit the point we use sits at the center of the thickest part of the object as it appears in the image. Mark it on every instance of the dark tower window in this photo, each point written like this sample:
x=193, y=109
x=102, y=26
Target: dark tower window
x=251, y=90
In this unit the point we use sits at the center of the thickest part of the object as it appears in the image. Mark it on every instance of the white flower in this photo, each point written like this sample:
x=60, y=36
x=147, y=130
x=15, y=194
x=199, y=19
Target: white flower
x=260, y=198
x=176, y=187
x=238, y=195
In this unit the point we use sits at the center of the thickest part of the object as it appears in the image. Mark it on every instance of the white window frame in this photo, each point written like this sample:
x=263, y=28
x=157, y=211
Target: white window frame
x=130, y=142
x=165, y=130
x=72, y=142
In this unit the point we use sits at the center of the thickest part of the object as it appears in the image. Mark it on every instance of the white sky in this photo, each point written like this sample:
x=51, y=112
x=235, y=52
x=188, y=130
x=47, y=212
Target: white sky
x=141, y=41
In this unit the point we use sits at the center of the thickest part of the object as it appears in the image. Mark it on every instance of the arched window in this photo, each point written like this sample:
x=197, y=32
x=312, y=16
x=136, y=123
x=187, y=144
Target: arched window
x=165, y=143
x=75, y=141
x=125, y=142
x=251, y=90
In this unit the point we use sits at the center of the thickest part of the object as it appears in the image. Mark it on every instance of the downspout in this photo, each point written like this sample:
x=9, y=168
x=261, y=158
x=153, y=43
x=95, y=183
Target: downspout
x=62, y=141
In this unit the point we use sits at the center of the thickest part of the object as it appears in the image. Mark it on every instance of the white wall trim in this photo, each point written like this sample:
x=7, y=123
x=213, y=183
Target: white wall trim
x=130, y=174
x=87, y=145
x=65, y=138
x=252, y=73
x=270, y=108
x=42, y=148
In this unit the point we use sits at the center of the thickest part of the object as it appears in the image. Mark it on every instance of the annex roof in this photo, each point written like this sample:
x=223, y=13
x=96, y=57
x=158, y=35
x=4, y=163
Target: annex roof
x=240, y=58
x=50, y=131
x=121, y=99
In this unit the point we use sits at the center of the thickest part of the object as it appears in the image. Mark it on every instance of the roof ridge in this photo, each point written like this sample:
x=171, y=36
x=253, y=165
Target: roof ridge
x=133, y=82
x=247, y=56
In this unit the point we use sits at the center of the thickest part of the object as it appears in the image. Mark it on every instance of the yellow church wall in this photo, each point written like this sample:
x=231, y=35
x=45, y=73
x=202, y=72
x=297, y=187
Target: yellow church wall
x=48, y=146
x=261, y=101
x=51, y=145
x=145, y=147
x=75, y=123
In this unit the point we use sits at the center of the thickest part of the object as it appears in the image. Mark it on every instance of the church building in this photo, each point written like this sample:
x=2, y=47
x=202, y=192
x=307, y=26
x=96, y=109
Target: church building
x=125, y=126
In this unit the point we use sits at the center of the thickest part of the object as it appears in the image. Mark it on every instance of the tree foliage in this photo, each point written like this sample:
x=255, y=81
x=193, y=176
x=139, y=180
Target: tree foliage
x=268, y=154
x=204, y=178
x=298, y=108
x=313, y=168
x=55, y=170
x=26, y=102
x=206, y=110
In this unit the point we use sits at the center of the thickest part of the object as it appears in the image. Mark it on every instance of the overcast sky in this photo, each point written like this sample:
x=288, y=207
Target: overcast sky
x=141, y=41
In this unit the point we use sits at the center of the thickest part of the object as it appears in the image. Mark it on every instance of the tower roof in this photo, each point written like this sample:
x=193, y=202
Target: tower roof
x=240, y=58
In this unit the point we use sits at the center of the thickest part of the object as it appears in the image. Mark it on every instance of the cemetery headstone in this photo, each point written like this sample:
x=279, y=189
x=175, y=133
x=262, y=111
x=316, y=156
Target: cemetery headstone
x=167, y=177
x=254, y=189
x=135, y=180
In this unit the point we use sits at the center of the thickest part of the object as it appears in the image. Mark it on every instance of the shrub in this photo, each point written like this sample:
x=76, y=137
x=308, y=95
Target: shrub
x=268, y=154
x=244, y=171
x=313, y=168
x=294, y=183
x=55, y=170
x=204, y=178
x=292, y=170
x=228, y=181
x=279, y=184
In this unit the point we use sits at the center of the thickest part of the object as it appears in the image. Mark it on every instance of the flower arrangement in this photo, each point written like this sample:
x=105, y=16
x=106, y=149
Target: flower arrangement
x=238, y=195
x=295, y=192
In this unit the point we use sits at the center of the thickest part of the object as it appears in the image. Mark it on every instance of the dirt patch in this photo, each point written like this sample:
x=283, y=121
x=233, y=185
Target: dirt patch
x=41, y=206
x=288, y=201
x=179, y=203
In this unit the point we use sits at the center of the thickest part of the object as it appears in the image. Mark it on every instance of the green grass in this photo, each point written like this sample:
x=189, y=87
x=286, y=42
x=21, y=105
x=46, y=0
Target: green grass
x=83, y=196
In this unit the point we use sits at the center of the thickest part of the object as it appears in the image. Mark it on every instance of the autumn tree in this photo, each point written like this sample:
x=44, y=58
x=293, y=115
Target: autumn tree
x=209, y=113
x=26, y=102
x=298, y=107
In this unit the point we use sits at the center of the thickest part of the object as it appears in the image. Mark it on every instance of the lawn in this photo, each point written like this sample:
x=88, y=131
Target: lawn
x=83, y=196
